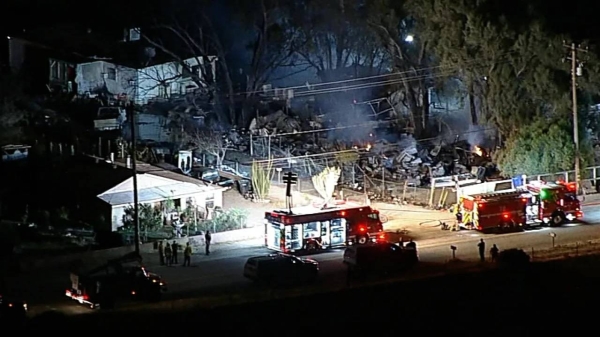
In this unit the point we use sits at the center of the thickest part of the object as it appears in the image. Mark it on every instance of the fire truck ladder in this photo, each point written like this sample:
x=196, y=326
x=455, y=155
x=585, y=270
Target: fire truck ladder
x=497, y=195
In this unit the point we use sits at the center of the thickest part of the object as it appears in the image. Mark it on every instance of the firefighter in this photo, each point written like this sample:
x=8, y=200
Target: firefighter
x=481, y=246
x=168, y=254
x=187, y=255
x=175, y=249
x=161, y=253
x=494, y=252
x=207, y=239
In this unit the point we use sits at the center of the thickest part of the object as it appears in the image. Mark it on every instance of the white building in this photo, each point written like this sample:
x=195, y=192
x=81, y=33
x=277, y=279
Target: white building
x=154, y=189
x=144, y=84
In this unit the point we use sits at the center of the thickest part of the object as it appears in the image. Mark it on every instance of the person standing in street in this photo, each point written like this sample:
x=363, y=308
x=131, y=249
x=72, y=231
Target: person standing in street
x=207, y=239
x=174, y=248
x=187, y=255
x=168, y=254
x=494, y=252
x=481, y=246
x=161, y=253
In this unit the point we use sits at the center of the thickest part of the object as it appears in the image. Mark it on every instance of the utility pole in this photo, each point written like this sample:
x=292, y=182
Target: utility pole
x=136, y=203
x=289, y=179
x=576, y=70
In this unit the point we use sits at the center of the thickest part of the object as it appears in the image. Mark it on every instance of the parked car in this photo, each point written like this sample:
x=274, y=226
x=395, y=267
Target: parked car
x=379, y=258
x=281, y=269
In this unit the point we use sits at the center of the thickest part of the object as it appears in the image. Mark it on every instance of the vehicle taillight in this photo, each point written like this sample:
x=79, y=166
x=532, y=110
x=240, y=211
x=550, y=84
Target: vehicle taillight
x=85, y=297
x=362, y=229
x=381, y=236
x=505, y=215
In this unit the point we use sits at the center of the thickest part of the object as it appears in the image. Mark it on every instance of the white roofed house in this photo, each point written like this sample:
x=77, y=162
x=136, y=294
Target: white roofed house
x=155, y=189
x=143, y=84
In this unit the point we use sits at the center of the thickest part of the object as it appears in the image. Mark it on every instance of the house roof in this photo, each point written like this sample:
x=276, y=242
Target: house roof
x=150, y=188
x=170, y=171
x=89, y=176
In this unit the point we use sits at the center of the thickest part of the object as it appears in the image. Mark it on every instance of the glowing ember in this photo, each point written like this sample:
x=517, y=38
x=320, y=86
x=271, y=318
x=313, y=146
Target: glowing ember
x=478, y=151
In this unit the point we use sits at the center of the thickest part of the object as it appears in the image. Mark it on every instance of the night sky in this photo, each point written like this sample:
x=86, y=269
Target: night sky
x=578, y=17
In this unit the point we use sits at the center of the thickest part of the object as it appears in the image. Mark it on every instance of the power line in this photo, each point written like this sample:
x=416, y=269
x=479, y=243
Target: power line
x=376, y=84
x=417, y=70
x=371, y=85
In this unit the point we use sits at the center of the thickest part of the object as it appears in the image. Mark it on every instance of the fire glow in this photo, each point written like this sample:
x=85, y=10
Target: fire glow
x=478, y=151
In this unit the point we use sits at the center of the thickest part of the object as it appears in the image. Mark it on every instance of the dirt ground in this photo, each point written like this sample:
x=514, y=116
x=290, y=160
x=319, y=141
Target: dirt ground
x=409, y=221
x=412, y=221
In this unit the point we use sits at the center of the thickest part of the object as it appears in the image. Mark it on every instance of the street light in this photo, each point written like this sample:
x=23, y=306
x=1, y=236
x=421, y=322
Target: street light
x=409, y=38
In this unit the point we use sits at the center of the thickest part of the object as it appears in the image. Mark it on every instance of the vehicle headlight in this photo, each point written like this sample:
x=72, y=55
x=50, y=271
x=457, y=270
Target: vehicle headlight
x=25, y=306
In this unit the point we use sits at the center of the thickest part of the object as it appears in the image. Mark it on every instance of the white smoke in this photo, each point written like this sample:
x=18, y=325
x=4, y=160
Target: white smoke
x=476, y=135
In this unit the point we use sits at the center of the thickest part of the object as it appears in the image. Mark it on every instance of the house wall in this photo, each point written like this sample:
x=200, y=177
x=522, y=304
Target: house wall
x=117, y=212
x=16, y=53
x=165, y=80
x=93, y=77
x=117, y=217
x=39, y=66
x=158, y=81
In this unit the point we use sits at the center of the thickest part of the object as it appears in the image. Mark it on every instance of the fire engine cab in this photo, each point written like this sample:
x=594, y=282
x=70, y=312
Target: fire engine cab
x=534, y=204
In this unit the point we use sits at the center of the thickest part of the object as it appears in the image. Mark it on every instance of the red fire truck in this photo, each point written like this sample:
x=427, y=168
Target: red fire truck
x=311, y=228
x=533, y=205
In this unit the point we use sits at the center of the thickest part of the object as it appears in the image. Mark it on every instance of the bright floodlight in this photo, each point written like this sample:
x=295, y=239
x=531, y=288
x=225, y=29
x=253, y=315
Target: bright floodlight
x=409, y=38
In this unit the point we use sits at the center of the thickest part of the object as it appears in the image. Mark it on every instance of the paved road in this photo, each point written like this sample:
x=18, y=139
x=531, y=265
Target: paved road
x=221, y=272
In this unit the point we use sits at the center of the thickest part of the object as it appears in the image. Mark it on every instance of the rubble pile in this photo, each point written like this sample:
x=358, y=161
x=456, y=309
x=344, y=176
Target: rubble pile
x=291, y=143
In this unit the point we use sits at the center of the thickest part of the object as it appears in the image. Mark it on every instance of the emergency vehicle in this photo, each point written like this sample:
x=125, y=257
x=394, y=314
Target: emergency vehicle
x=313, y=228
x=534, y=204
x=123, y=277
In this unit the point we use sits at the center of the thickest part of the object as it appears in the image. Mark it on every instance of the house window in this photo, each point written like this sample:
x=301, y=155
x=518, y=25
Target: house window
x=111, y=74
x=54, y=71
x=162, y=91
x=210, y=200
x=188, y=71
